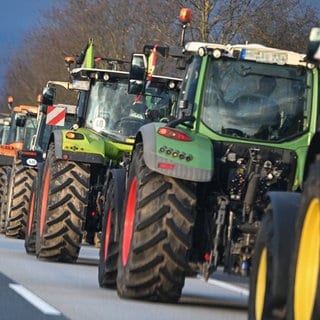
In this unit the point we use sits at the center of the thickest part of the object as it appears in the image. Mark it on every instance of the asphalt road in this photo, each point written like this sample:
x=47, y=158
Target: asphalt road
x=36, y=290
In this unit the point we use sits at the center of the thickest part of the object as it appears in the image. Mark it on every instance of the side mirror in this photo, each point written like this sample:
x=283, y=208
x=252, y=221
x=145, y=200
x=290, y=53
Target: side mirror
x=137, y=74
x=48, y=95
x=313, y=49
x=21, y=121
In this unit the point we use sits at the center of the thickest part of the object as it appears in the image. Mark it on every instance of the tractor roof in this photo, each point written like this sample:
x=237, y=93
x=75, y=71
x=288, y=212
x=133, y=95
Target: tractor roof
x=87, y=73
x=26, y=109
x=252, y=52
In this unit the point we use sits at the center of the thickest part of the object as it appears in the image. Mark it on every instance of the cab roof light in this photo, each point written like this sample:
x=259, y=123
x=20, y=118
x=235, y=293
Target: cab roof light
x=171, y=84
x=216, y=53
x=69, y=60
x=185, y=15
x=39, y=98
x=203, y=51
x=184, y=18
x=263, y=55
x=174, y=134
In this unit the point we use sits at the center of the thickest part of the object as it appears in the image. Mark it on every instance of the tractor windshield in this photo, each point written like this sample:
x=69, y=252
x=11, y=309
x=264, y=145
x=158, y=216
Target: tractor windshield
x=114, y=112
x=110, y=110
x=256, y=101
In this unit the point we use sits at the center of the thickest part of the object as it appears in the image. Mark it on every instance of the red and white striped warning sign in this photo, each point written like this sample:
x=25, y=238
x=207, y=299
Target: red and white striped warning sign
x=56, y=116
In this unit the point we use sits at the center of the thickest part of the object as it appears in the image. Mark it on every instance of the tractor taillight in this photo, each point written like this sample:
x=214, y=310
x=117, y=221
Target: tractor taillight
x=173, y=134
x=29, y=153
x=74, y=135
x=167, y=166
x=207, y=256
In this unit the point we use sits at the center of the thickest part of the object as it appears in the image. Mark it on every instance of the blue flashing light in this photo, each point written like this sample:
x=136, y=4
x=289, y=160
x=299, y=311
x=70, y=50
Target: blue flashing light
x=243, y=54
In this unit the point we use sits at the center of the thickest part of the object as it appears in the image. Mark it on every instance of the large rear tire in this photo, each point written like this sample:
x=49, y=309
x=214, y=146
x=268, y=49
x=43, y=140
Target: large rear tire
x=271, y=257
x=30, y=238
x=4, y=178
x=20, y=185
x=62, y=210
x=112, y=217
x=260, y=301
x=304, y=282
x=156, y=236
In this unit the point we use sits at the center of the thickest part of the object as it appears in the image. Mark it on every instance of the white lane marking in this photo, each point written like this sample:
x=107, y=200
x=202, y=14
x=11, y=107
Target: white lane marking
x=231, y=287
x=34, y=300
x=228, y=286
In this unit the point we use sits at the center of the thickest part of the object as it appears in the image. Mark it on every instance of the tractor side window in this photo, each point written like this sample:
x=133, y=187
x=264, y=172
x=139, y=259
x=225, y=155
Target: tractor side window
x=189, y=86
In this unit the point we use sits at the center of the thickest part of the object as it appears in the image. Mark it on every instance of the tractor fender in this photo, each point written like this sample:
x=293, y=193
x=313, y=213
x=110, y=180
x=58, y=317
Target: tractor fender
x=119, y=178
x=313, y=152
x=285, y=209
x=88, y=147
x=188, y=160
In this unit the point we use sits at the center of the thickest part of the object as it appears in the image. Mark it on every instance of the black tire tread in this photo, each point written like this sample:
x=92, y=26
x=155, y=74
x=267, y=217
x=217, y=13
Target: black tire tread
x=162, y=236
x=66, y=209
x=108, y=268
x=263, y=241
x=21, y=180
x=311, y=191
x=3, y=196
x=30, y=238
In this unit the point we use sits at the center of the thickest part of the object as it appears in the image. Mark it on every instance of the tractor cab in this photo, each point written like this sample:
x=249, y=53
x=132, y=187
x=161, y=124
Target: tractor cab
x=108, y=108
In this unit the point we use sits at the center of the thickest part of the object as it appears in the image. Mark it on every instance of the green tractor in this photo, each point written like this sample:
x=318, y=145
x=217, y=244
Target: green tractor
x=197, y=186
x=68, y=209
x=285, y=282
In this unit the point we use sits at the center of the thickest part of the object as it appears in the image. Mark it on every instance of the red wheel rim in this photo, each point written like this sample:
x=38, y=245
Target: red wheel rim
x=31, y=213
x=44, y=201
x=128, y=222
x=107, y=236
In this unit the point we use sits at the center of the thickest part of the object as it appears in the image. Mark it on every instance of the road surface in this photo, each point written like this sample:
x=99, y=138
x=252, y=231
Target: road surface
x=37, y=290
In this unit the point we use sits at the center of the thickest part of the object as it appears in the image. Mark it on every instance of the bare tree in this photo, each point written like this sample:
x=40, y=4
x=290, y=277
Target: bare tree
x=123, y=26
